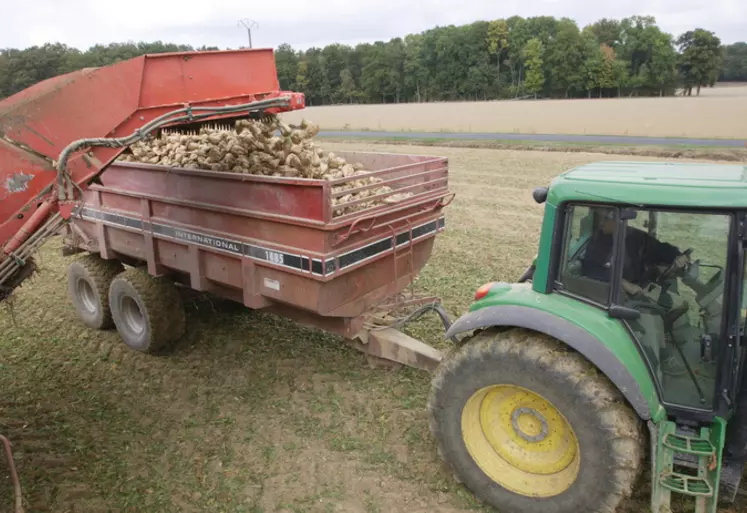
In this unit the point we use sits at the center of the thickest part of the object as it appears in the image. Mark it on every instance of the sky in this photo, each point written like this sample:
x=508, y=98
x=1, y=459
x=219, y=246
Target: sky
x=307, y=23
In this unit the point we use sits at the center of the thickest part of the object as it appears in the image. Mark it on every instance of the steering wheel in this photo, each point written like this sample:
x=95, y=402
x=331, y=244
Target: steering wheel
x=673, y=266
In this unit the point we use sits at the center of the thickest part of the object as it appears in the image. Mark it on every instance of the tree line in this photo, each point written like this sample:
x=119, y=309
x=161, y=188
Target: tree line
x=20, y=69
x=516, y=57
x=539, y=56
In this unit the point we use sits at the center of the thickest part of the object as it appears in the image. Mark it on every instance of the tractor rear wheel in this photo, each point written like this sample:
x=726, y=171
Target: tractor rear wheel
x=88, y=280
x=529, y=425
x=147, y=311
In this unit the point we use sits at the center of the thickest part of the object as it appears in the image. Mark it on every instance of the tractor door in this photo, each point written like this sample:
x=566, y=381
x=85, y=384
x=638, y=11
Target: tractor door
x=675, y=275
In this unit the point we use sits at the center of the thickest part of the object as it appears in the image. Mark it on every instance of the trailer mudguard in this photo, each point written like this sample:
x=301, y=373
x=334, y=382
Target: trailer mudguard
x=586, y=329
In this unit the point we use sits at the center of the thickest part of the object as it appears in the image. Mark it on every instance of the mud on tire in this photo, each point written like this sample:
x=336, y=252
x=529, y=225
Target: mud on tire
x=147, y=311
x=88, y=280
x=609, y=435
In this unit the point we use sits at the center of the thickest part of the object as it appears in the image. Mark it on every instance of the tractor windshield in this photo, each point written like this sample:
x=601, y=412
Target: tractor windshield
x=674, y=275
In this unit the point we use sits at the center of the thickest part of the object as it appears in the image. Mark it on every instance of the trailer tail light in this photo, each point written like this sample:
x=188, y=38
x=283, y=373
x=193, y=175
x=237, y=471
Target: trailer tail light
x=483, y=291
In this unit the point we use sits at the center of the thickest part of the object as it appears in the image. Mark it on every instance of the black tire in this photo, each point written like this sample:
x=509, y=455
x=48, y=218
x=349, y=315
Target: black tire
x=88, y=280
x=147, y=311
x=610, y=441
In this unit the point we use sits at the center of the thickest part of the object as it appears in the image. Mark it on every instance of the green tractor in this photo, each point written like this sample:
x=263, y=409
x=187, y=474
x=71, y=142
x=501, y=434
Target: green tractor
x=624, y=339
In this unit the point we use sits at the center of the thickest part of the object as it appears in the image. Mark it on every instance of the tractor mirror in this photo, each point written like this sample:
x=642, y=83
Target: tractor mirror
x=623, y=312
x=540, y=194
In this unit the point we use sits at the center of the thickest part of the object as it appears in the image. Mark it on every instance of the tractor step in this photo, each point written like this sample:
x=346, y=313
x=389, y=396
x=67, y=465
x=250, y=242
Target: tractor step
x=679, y=449
x=686, y=484
x=689, y=444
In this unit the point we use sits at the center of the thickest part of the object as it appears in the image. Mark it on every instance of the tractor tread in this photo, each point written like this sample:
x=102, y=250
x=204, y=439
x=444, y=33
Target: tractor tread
x=623, y=434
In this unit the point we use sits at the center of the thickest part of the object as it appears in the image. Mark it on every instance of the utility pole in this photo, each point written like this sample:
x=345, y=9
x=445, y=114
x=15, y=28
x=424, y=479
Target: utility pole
x=248, y=25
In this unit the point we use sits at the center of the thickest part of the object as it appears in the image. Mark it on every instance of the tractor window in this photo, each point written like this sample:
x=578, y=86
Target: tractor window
x=586, y=265
x=674, y=274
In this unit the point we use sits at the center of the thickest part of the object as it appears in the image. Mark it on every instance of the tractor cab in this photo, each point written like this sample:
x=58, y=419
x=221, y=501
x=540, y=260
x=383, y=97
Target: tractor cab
x=631, y=317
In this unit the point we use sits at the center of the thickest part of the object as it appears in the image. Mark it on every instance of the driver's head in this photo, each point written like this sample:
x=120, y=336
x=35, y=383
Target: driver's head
x=605, y=220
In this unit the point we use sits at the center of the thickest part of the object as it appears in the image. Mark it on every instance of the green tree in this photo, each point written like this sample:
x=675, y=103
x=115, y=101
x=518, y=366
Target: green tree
x=535, y=76
x=395, y=57
x=375, y=73
x=302, y=77
x=518, y=35
x=564, y=60
x=319, y=90
x=416, y=73
x=498, y=45
x=700, y=59
x=636, y=36
x=593, y=67
x=286, y=62
x=606, y=79
x=620, y=76
x=347, y=85
x=4, y=74
x=661, y=70
x=335, y=59
x=735, y=63
x=606, y=32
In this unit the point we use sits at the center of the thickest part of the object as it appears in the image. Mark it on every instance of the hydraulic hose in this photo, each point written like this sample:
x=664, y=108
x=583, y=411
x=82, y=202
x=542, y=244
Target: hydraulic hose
x=185, y=114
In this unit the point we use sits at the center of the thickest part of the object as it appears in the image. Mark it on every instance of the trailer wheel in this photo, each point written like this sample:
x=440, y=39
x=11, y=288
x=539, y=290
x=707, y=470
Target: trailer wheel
x=88, y=280
x=147, y=311
x=529, y=425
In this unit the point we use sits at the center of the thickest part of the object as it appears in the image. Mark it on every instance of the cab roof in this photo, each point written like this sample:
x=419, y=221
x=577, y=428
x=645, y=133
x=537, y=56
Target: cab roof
x=653, y=183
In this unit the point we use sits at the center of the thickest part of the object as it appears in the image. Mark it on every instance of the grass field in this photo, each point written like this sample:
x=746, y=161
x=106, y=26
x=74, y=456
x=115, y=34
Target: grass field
x=717, y=113
x=249, y=412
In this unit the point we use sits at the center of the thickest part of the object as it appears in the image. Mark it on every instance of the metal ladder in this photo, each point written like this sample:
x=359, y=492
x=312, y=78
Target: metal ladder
x=687, y=464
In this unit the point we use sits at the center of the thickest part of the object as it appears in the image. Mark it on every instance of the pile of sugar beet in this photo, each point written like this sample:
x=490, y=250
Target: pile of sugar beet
x=266, y=147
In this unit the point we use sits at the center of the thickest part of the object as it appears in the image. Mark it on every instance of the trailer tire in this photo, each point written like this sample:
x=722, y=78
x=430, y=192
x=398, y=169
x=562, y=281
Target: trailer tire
x=88, y=281
x=147, y=311
x=547, y=432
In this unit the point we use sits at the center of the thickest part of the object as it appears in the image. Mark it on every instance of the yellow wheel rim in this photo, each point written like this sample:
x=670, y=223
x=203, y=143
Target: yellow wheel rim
x=521, y=441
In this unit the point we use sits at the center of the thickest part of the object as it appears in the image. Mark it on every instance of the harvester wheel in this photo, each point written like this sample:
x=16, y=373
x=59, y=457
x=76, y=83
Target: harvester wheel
x=529, y=425
x=88, y=280
x=147, y=311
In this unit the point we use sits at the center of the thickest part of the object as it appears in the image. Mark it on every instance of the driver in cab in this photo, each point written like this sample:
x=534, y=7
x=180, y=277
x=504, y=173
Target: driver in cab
x=646, y=258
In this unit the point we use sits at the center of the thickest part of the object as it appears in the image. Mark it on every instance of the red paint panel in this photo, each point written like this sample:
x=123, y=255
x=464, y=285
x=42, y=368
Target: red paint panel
x=299, y=291
x=22, y=177
x=220, y=189
x=222, y=268
x=172, y=255
x=127, y=243
x=180, y=78
x=128, y=204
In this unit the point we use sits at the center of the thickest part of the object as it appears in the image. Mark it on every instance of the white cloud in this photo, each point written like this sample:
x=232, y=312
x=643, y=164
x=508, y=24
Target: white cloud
x=304, y=23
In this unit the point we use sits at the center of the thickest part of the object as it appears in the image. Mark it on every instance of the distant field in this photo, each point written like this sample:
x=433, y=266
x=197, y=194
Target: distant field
x=718, y=113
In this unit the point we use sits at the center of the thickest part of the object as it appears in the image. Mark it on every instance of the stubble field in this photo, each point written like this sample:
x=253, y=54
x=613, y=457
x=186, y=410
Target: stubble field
x=249, y=412
x=718, y=112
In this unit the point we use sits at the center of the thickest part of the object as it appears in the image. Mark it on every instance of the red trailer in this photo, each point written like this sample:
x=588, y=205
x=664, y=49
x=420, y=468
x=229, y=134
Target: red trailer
x=270, y=243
